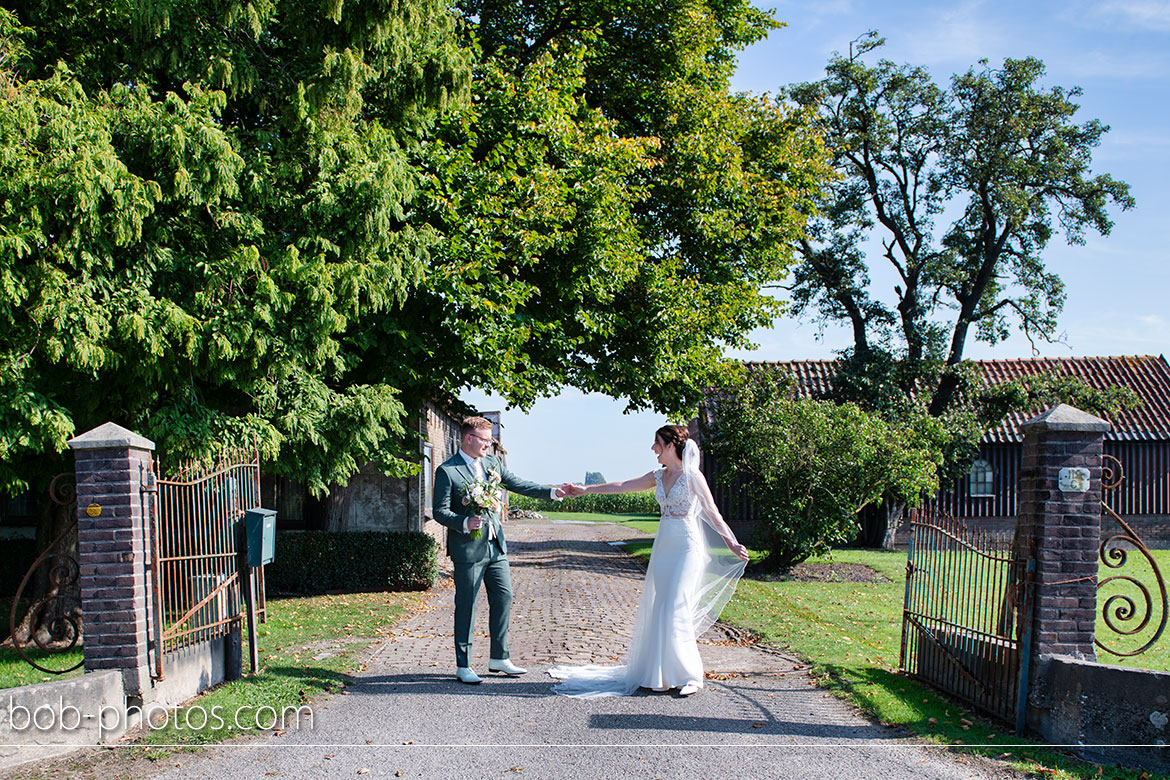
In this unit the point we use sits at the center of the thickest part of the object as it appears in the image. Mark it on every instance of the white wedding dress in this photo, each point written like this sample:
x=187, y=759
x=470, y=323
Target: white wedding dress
x=691, y=576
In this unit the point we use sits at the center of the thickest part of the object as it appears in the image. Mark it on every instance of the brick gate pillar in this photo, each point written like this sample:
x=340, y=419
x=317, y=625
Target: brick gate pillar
x=1059, y=525
x=112, y=466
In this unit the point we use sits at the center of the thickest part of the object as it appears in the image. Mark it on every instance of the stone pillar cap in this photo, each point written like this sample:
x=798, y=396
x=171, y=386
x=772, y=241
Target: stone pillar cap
x=1063, y=417
x=110, y=436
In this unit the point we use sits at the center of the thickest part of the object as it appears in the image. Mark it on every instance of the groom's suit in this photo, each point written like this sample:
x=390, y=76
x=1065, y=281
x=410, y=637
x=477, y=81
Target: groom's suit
x=478, y=561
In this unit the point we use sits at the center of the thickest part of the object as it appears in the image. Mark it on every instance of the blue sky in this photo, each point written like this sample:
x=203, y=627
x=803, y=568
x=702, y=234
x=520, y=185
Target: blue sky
x=1117, y=51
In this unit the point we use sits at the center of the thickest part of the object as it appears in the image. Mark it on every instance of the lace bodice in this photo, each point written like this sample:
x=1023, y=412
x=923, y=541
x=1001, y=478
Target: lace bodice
x=678, y=503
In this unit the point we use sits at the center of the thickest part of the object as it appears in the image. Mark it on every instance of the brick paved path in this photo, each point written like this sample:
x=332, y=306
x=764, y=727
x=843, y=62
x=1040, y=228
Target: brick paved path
x=575, y=596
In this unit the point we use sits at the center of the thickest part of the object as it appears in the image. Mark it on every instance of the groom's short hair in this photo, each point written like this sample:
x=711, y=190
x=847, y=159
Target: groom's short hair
x=473, y=424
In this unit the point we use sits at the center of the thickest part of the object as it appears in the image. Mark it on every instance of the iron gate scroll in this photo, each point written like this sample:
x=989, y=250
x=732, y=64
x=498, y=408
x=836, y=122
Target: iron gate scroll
x=963, y=620
x=1131, y=589
x=50, y=592
x=200, y=594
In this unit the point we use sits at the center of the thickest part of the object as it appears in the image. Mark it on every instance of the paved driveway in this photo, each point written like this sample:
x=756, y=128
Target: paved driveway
x=760, y=716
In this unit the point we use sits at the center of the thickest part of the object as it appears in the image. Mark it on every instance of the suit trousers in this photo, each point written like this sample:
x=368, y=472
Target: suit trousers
x=493, y=573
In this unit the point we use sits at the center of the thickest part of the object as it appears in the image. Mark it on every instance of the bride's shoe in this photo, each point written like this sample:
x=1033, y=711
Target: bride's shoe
x=662, y=689
x=688, y=689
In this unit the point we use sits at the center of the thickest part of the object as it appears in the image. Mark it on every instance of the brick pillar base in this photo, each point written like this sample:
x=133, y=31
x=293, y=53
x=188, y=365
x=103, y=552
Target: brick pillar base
x=1060, y=524
x=111, y=465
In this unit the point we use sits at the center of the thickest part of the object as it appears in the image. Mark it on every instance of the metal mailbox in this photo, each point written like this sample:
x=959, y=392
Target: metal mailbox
x=260, y=528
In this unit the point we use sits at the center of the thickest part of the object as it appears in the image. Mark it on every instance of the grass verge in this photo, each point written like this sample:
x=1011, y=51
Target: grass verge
x=308, y=647
x=15, y=671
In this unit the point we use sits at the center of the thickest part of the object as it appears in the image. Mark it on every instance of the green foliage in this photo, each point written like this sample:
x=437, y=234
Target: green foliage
x=352, y=561
x=293, y=222
x=202, y=203
x=619, y=209
x=810, y=466
x=1045, y=390
x=995, y=149
x=594, y=478
x=601, y=503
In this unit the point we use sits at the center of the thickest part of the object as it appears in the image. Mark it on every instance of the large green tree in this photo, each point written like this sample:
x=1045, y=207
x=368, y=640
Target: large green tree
x=295, y=221
x=200, y=202
x=962, y=188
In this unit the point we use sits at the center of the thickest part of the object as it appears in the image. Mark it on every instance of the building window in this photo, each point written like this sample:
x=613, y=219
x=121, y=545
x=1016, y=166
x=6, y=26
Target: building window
x=428, y=476
x=980, y=479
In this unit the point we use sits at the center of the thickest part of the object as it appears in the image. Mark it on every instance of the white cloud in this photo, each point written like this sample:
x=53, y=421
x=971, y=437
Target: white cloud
x=814, y=12
x=1118, y=333
x=964, y=33
x=1132, y=64
x=1143, y=14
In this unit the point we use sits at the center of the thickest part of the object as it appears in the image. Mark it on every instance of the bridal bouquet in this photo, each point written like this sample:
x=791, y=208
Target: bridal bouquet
x=483, y=495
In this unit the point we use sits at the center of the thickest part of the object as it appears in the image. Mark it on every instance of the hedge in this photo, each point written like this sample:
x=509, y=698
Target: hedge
x=616, y=503
x=16, y=555
x=352, y=561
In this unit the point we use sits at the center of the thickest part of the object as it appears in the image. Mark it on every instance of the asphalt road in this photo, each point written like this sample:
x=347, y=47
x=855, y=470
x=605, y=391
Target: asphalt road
x=760, y=716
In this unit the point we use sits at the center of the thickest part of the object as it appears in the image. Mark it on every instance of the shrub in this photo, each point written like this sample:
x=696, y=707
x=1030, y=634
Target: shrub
x=810, y=466
x=616, y=504
x=354, y=561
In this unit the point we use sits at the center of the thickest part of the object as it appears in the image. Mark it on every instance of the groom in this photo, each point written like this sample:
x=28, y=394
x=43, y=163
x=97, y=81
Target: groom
x=483, y=560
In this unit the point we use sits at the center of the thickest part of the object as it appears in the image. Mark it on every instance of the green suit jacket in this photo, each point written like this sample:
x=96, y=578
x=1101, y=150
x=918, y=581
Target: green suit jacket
x=451, y=481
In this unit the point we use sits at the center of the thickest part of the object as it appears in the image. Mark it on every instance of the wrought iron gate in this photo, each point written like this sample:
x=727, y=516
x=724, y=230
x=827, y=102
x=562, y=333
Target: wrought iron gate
x=965, y=616
x=49, y=595
x=199, y=593
x=1131, y=589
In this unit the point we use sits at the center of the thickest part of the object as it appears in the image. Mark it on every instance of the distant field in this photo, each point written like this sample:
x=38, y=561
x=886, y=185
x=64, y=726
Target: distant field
x=641, y=522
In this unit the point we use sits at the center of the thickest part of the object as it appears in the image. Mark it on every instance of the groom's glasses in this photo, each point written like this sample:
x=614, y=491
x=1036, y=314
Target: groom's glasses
x=484, y=439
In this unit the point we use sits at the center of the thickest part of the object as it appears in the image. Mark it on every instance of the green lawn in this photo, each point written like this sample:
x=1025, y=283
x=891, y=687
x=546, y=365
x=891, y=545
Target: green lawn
x=850, y=633
x=297, y=659
x=642, y=522
x=15, y=671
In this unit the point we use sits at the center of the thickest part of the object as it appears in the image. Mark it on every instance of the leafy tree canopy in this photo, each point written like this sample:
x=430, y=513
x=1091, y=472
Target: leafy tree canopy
x=294, y=221
x=963, y=187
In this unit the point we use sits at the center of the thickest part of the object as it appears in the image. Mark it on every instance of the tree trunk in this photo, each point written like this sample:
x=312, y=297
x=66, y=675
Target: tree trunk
x=895, y=516
x=337, y=507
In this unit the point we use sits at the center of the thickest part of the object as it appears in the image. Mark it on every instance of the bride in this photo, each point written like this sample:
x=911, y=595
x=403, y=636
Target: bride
x=694, y=566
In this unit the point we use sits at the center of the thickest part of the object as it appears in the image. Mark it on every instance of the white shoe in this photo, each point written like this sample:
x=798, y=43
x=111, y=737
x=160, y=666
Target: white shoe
x=465, y=675
x=661, y=689
x=688, y=689
x=506, y=666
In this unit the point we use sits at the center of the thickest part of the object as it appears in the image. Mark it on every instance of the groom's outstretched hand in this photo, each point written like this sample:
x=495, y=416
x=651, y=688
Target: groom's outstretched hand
x=569, y=489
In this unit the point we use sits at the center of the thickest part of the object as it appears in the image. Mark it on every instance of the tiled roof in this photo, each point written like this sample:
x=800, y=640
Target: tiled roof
x=1146, y=375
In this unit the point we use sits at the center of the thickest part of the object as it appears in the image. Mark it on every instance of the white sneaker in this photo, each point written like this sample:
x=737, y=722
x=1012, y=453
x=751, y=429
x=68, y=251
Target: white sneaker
x=464, y=675
x=506, y=666
x=688, y=689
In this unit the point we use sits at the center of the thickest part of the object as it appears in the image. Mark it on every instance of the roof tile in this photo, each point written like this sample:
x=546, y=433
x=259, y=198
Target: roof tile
x=1146, y=375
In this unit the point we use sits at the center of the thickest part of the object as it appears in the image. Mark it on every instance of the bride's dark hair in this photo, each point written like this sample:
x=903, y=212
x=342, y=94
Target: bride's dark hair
x=674, y=434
